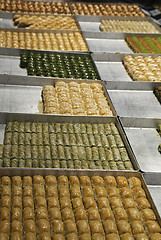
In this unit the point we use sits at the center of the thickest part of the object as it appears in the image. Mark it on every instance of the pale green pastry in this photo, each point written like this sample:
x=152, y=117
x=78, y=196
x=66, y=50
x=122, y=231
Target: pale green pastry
x=34, y=152
x=35, y=163
x=28, y=152
x=101, y=129
x=81, y=153
x=95, y=154
x=124, y=154
x=27, y=138
x=64, y=127
x=83, y=128
x=15, y=126
x=14, y=163
x=49, y=163
x=21, y=152
x=40, y=139
x=52, y=138
x=79, y=139
x=114, y=129
x=70, y=164
x=27, y=127
x=98, y=140
x=54, y=152
x=41, y=154
x=72, y=139
x=89, y=128
x=88, y=153
x=95, y=128
x=46, y=140
x=59, y=139
x=76, y=127
x=21, y=127
x=61, y=154
x=39, y=128
x=34, y=127
x=107, y=129
x=45, y=128
x=42, y=163
x=111, y=141
x=70, y=128
x=66, y=139
x=21, y=138
x=120, y=166
x=74, y=151
x=33, y=139
x=6, y=162
x=15, y=138
x=113, y=165
x=7, y=151
x=116, y=154
x=51, y=128
x=28, y=163
x=91, y=140
x=9, y=127
x=8, y=138
x=85, y=140
x=102, y=154
x=47, y=152
x=14, y=151
x=56, y=164
x=104, y=141
x=68, y=155
x=109, y=155
x=58, y=127
x=22, y=163
x=119, y=141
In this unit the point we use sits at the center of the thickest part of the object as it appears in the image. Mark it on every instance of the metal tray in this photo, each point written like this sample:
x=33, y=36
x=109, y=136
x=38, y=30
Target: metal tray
x=10, y=61
x=5, y=117
x=153, y=181
x=78, y=173
x=135, y=103
x=4, y=50
x=144, y=140
x=113, y=73
x=6, y=19
x=23, y=94
x=91, y=23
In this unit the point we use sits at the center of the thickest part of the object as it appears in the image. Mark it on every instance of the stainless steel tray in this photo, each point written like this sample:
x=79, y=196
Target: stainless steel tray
x=153, y=182
x=23, y=94
x=144, y=140
x=113, y=73
x=6, y=19
x=135, y=103
x=10, y=62
x=92, y=23
x=78, y=173
x=4, y=50
x=5, y=117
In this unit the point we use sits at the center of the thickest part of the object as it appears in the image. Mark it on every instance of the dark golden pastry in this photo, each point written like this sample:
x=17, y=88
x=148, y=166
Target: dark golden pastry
x=89, y=202
x=16, y=190
x=6, y=190
x=57, y=226
x=52, y=202
x=106, y=214
x=155, y=236
x=85, y=236
x=97, y=236
x=28, y=202
x=113, y=192
x=97, y=181
x=5, y=226
x=110, y=181
x=141, y=236
x=143, y=203
x=30, y=236
x=17, y=214
x=51, y=191
x=72, y=236
x=41, y=202
x=56, y=236
x=116, y=202
x=152, y=227
x=127, y=236
x=27, y=191
x=77, y=202
x=148, y=214
x=41, y=213
x=39, y=191
x=83, y=227
x=16, y=226
x=28, y=213
x=29, y=226
x=87, y=192
x=85, y=181
x=6, y=180
x=121, y=181
x=51, y=180
x=129, y=203
x=65, y=202
x=126, y=192
x=16, y=180
x=138, y=192
x=54, y=213
x=103, y=202
x=96, y=227
x=93, y=214
x=110, y=226
x=80, y=214
x=137, y=227
x=43, y=225
x=74, y=180
x=75, y=191
x=70, y=226
x=63, y=191
x=27, y=181
x=133, y=214
x=45, y=235
x=120, y=214
x=6, y=201
x=123, y=226
x=39, y=180
x=100, y=192
x=17, y=202
x=134, y=182
x=67, y=213
x=4, y=214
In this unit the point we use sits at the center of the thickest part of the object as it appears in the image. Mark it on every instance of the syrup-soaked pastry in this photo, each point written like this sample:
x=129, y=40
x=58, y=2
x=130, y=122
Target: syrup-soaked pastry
x=29, y=226
x=155, y=236
x=3, y=236
x=89, y=202
x=70, y=226
x=126, y=192
x=120, y=214
x=63, y=180
x=50, y=180
x=28, y=213
x=16, y=235
x=51, y=191
x=4, y=214
x=133, y=214
x=103, y=202
x=56, y=236
x=28, y=202
x=106, y=214
x=72, y=236
x=43, y=226
x=116, y=202
x=75, y=191
x=100, y=192
x=17, y=214
x=77, y=202
x=16, y=226
x=17, y=201
x=110, y=226
x=39, y=191
x=134, y=182
x=30, y=236
x=121, y=181
x=93, y=214
x=74, y=180
x=6, y=180
x=112, y=236
x=129, y=203
x=63, y=191
x=5, y=226
x=87, y=192
x=45, y=236
x=127, y=236
x=148, y=214
x=5, y=190
x=41, y=213
x=152, y=227
x=110, y=181
x=141, y=236
x=143, y=203
x=65, y=202
x=96, y=227
x=54, y=213
x=83, y=227
x=6, y=201
x=137, y=227
x=27, y=181
x=98, y=236
x=57, y=226
x=113, y=192
x=67, y=213
x=80, y=214
x=123, y=226
x=138, y=192
x=85, y=236
x=97, y=181
x=16, y=190
x=41, y=202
